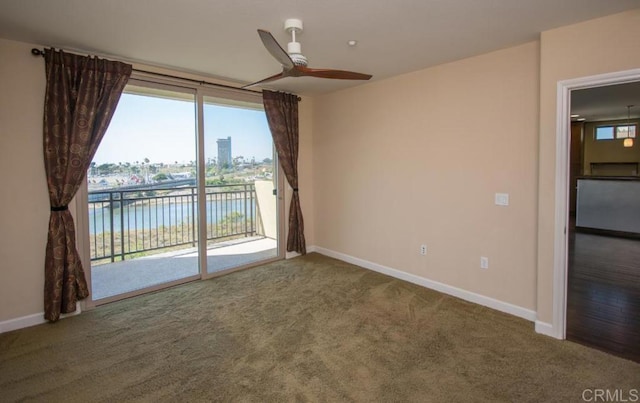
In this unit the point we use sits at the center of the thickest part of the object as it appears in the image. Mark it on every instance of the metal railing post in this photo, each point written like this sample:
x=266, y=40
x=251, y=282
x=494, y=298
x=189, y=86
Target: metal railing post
x=193, y=218
x=246, y=216
x=121, y=225
x=254, y=198
x=111, y=229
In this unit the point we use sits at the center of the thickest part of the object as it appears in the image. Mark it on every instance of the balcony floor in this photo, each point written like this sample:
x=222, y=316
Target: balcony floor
x=117, y=278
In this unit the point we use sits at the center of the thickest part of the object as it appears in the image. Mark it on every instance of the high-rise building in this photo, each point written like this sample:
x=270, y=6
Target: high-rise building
x=224, y=153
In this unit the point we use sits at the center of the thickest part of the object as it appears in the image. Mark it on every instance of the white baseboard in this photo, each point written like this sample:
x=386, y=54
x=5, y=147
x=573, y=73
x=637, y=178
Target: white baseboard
x=434, y=285
x=22, y=322
x=291, y=255
x=546, y=329
x=31, y=320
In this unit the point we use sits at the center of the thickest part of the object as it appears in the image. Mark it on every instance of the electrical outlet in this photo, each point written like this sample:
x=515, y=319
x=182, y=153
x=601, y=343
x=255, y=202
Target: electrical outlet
x=423, y=249
x=502, y=199
x=484, y=262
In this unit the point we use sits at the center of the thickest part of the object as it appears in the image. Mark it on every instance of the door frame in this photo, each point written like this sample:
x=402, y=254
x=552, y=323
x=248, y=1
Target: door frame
x=561, y=238
x=79, y=207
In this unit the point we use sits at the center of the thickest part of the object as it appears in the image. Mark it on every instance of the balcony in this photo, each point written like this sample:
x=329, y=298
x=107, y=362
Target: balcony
x=148, y=236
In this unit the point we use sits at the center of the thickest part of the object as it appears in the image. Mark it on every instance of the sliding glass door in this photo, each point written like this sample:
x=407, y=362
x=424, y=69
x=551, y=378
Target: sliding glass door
x=241, y=180
x=142, y=194
x=184, y=186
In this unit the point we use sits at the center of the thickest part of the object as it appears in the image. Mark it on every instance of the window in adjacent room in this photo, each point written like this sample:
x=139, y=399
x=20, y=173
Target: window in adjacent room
x=612, y=132
x=623, y=132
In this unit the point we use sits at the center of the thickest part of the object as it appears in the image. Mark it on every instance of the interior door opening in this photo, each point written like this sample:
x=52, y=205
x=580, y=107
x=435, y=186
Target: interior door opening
x=603, y=272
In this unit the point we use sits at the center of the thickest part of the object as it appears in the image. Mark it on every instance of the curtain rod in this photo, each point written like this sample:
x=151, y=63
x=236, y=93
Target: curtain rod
x=38, y=52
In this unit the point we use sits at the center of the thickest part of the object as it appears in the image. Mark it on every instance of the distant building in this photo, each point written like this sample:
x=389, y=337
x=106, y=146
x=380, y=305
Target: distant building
x=224, y=153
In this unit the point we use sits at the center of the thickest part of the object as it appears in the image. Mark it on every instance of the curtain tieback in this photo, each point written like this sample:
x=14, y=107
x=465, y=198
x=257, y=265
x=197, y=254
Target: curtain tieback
x=295, y=189
x=61, y=208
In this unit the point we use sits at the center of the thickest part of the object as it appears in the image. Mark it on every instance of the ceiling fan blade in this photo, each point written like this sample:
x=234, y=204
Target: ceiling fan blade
x=268, y=79
x=275, y=49
x=330, y=73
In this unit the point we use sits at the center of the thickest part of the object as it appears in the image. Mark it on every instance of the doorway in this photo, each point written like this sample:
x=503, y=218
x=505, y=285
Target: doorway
x=603, y=269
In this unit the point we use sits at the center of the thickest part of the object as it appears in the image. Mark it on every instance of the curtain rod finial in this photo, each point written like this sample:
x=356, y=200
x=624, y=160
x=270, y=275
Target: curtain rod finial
x=37, y=52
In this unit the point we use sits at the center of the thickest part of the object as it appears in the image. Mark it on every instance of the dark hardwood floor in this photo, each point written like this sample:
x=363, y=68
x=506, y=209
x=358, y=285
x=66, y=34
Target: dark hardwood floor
x=603, y=293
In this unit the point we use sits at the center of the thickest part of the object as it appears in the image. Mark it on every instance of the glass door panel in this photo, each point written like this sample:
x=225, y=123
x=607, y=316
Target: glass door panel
x=142, y=193
x=240, y=182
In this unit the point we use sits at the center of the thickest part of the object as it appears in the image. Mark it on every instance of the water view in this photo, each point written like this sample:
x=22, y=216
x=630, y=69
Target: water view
x=144, y=223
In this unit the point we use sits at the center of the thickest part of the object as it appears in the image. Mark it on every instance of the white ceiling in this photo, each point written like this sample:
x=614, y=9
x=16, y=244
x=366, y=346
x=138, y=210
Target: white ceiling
x=607, y=103
x=218, y=38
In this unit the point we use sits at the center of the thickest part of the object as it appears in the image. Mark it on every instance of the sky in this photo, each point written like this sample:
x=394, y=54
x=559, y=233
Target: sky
x=164, y=130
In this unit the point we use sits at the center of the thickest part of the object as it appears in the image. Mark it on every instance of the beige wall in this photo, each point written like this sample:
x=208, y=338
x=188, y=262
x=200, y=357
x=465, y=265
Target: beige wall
x=594, y=47
x=305, y=169
x=418, y=158
x=24, y=207
x=606, y=150
x=24, y=203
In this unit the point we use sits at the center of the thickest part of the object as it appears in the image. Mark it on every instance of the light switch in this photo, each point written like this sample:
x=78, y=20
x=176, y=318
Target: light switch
x=502, y=199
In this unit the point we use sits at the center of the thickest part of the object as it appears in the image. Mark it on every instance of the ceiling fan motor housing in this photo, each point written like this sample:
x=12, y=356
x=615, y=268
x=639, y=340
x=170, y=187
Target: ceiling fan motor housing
x=294, y=49
x=295, y=52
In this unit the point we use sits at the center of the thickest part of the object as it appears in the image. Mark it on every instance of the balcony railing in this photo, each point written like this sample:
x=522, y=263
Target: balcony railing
x=125, y=223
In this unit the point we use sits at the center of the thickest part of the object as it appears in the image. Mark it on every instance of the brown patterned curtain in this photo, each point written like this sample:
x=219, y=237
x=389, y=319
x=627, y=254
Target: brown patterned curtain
x=282, y=115
x=81, y=97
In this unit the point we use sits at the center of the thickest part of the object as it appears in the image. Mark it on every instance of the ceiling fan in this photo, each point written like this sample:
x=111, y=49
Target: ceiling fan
x=294, y=64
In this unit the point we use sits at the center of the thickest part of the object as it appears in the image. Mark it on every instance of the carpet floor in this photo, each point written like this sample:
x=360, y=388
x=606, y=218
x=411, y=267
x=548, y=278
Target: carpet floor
x=306, y=329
